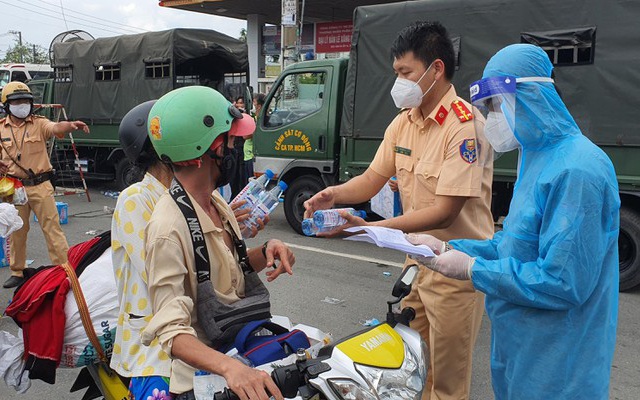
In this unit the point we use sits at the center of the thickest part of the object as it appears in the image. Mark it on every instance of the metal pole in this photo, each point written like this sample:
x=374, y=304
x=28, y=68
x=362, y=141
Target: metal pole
x=20, y=41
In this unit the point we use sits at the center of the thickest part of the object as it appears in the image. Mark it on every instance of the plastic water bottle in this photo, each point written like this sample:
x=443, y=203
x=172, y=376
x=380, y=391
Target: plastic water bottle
x=331, y=218
x=252, y=191
x=267, y=202
x=309, y=228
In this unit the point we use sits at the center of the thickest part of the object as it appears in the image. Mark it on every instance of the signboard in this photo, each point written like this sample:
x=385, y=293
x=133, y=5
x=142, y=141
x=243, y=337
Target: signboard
x=333, y=37
x=271, y=39
x=289, y=12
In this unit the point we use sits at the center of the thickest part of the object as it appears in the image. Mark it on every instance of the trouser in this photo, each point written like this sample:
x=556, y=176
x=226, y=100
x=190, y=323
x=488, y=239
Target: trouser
x=448, y=317
x=40, y=200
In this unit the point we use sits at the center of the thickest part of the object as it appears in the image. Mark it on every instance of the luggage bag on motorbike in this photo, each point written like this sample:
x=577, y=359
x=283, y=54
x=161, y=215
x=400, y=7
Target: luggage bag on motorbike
x=264, y=341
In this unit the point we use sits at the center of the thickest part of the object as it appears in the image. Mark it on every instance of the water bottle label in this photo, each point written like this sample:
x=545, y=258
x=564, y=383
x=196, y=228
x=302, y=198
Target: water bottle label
x=205, y=386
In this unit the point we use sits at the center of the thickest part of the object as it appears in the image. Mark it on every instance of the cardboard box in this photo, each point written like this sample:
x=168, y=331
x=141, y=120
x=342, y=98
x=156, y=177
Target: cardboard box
x=63, y=213
x=4, y=252
x=386, y=203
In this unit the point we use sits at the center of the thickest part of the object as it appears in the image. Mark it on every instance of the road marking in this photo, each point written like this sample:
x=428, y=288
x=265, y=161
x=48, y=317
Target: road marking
x=354, y=257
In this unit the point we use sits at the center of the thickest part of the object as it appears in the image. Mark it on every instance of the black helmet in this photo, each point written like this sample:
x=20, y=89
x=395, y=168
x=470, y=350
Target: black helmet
x=134, y=139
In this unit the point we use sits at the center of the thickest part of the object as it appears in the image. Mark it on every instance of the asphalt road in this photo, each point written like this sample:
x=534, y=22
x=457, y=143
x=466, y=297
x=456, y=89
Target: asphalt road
x=348, y=271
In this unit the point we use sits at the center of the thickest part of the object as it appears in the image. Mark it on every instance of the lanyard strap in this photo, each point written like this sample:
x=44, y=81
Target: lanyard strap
x=200, y=250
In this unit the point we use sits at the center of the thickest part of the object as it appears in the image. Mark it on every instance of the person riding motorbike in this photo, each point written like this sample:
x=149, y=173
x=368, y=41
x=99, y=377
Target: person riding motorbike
x=202, y=281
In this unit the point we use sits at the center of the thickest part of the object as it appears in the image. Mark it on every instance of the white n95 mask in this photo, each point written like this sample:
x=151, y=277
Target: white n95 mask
x=407, y=93
x=20, y=110
x=499, y=133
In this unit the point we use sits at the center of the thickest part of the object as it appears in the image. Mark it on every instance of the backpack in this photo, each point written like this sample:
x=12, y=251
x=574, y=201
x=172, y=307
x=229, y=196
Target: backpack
x=261, y=349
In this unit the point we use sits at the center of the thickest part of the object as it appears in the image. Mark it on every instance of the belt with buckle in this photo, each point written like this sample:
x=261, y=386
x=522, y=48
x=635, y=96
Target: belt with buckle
x=37, y=179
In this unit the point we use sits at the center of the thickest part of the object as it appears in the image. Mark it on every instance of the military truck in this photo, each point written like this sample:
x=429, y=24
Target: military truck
x=323, y=120
x=99, y=81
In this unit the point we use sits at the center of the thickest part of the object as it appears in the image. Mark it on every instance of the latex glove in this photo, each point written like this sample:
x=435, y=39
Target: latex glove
x=452, y=264
x=435, y=244
x=322, y=200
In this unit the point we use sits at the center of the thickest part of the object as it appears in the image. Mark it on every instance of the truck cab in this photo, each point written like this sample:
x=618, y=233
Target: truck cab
x=297, y=133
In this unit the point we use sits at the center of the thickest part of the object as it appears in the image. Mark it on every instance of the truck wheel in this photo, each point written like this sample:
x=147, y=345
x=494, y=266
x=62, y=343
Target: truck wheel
x=300, y=191
x=629, y=248
x=126, y=174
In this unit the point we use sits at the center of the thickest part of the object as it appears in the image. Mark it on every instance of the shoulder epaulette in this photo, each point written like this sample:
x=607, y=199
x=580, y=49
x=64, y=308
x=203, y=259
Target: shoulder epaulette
x=461, y=110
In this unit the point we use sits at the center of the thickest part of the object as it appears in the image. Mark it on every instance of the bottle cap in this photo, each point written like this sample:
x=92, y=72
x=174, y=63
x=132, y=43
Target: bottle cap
x=283, y=185
x=361, y=213
x=269, y=173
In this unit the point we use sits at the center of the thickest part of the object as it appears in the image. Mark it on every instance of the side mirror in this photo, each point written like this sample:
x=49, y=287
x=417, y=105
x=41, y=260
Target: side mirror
x=402, y=286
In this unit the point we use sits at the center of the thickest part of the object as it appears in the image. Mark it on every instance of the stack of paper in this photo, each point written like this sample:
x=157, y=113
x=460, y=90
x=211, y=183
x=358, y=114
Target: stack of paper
x=388, y=238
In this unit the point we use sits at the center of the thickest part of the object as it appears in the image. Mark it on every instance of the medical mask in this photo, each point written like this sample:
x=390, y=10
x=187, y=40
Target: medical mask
x=21, y=111
x=499, y=133
x=228, y=166
x=407, y=93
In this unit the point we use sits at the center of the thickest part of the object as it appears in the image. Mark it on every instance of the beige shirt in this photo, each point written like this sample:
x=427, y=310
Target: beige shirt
x=434, y=156
x=27, y=144
x=171, y=271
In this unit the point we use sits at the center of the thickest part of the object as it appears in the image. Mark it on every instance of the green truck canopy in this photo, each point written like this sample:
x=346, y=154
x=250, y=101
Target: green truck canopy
x=592, y=44
x=101, y=80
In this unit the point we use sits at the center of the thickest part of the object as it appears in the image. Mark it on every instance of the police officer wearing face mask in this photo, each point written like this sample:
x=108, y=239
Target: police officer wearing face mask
x=23, y=140
x=445, y=186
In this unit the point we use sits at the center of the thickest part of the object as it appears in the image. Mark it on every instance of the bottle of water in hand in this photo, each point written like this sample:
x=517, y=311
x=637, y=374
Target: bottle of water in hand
x=267, y=202
x=329, y=219
x=309, y=228
x=252, y=191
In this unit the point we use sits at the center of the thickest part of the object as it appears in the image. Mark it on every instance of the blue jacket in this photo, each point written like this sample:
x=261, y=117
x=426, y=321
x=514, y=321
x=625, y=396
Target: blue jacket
x=551, y=275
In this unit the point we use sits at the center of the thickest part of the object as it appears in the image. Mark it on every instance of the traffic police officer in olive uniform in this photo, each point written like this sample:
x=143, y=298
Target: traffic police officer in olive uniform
x=435, y=148
x=23, y=140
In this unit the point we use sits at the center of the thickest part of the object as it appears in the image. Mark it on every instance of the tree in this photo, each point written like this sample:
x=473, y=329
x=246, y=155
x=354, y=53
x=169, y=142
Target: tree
x=27, y=52
x=243, y=35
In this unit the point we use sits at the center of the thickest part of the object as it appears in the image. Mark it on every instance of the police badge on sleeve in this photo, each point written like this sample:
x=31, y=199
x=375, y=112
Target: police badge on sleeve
x=468, y=150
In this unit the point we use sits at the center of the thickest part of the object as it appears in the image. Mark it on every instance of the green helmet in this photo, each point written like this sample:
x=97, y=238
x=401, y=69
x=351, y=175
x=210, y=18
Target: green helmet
x=184, y=122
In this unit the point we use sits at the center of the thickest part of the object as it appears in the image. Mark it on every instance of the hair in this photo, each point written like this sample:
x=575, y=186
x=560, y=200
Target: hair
x=428, y=41
x=146, y=159
x=240, y=98
x=260, y=98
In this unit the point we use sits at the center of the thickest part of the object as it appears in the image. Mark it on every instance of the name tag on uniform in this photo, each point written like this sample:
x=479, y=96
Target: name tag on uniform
x=402, y=150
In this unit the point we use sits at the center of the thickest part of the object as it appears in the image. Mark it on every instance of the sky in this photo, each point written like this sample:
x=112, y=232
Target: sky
x=41, y=20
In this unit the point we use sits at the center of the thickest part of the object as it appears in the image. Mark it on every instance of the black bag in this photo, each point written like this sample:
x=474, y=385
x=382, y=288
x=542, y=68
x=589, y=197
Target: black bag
x=221, y=322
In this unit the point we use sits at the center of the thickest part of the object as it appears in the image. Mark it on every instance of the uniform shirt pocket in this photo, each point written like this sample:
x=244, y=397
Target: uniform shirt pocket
x=427, y=175
x=404, y=174
x=34, y=145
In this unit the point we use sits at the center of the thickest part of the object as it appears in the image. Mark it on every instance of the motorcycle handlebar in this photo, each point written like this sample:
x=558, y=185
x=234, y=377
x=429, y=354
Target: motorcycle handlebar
x=287, y=378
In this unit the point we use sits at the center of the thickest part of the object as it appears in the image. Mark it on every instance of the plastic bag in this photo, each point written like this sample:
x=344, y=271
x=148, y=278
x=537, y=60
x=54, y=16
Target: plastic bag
x=10, y=221
x=20, y=194
x=12, y=362
x=101, y=295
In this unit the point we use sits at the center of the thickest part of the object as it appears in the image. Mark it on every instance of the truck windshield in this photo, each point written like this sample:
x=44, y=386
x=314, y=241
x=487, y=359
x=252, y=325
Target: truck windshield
x=4, y=78
x=297, y=96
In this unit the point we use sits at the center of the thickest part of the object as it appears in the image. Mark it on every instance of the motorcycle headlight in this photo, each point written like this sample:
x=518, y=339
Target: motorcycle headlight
x=347, y=389
x=405, y=382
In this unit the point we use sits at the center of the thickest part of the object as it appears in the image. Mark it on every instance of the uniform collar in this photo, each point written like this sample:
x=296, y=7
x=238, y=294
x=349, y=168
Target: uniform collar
x=439, y=113
x=7, y=121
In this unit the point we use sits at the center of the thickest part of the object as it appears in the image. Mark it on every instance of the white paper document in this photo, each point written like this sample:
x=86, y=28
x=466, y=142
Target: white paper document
x=389, y=239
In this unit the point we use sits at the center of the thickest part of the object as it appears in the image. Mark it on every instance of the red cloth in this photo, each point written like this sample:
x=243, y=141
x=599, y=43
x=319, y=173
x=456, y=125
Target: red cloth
x=38, y=307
